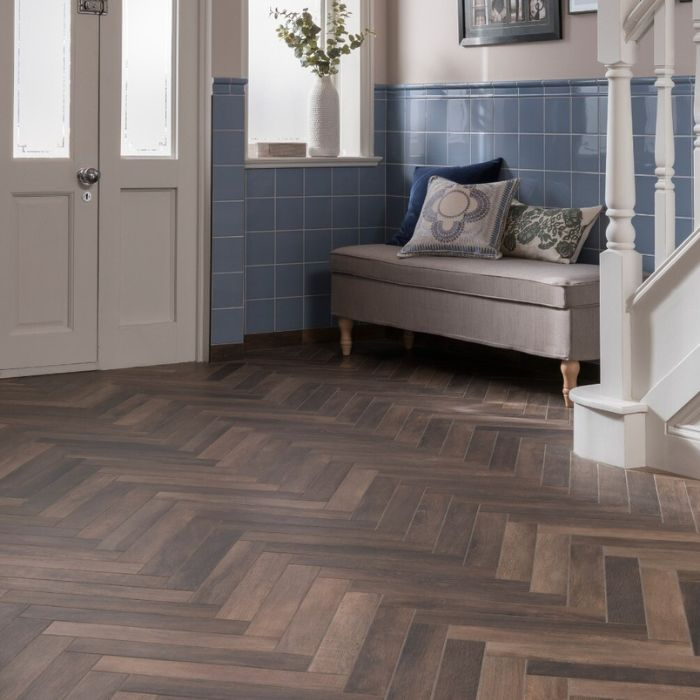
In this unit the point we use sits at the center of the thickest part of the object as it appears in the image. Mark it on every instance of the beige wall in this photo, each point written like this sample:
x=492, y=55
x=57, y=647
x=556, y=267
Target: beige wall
x=227, y=58
x=423, y=47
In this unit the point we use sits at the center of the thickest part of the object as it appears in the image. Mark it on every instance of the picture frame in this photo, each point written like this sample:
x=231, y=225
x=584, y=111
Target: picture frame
x=490, y=22
x=582, y=7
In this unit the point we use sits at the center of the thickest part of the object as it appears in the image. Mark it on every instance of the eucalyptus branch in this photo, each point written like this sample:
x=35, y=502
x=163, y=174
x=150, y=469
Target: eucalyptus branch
x=299, y=31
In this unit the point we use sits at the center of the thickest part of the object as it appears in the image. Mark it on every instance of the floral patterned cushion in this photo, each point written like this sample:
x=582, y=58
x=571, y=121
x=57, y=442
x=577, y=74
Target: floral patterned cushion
x=552, y=235
x=462, y=220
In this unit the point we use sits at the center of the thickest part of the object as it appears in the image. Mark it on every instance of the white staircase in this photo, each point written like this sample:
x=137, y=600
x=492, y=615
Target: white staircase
x=646, y=410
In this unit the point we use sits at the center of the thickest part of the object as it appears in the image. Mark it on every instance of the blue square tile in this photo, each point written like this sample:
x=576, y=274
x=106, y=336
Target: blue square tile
x=318, y=212
x=345, y=212
x=290, y=247
x=481, y=110
x=227, y=327
x=532, y=152
x=228, y=219
x=227, y=291
x=260, y=183
x=380, y=145
x=684, y=156
x=370, y=236
x=395, y=211
x=557, y=152
x=585, y=190
x=459, y=149
x=228, y=112
x=557, y=115
x=645, y=187
x=343, y=237
x=644, y=115
x=506, y=146
x=372, y=212
x=260, y=214
x=436, y=118
x=290, y=214
x=317, y=279
x=289, y=315
x=644, y=229
x=395, y=114
x=684, y=227
x=317, y=245
x=684, y=196
x=557, y=190
x=317, y=312
x=318, y=182
x=260, y=316
x=531, y=118
x=260, y=248
x=228, y=148
x=482, y=147
x=395, y=147
x=644, y=155
x=683, y=115
x=505, y=115
x=396, y=183
x=228, y=183
x=585, y=115
x=531, y=190
x=416, y=146
x=290, y=182
x=346, y=181
x=373, y=180
x=289, y=280
x=458, y=115
x=260, y=282
x=585, y=153
x=436, y=149
x=416, y=111
x=227, y=255
x=380, y=115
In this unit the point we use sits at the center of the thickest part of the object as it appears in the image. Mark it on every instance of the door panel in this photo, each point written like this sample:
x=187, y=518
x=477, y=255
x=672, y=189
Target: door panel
x=48, y=234
x=148, y=213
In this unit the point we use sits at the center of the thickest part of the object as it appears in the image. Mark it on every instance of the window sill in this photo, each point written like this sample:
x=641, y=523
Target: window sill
x=256, y=163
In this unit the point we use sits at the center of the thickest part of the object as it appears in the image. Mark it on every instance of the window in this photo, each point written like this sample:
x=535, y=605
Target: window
x=42, y=79
x=278, y=86
x=147, y=78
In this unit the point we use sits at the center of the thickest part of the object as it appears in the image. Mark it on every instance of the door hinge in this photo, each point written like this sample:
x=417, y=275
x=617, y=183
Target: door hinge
x=93, y=7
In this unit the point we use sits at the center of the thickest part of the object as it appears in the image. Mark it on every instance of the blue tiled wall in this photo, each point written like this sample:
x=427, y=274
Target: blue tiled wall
x=552, y=136
x=274, y=228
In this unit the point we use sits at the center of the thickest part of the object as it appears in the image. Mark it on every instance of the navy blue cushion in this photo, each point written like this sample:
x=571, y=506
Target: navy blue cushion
x=475, y=174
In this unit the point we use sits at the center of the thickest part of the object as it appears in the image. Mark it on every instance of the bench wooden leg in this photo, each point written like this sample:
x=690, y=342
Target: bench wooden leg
x=570, y=370
x=345, y=336
x=409, y=339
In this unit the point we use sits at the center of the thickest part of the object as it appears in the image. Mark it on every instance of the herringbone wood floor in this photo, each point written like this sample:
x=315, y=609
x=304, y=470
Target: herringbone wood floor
x=297, y=527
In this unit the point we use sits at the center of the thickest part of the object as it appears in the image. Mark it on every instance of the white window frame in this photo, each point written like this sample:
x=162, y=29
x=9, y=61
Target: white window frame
x=366, y=157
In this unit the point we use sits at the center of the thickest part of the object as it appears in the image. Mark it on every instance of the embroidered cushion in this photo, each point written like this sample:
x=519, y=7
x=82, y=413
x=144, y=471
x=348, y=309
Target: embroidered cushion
x=464, y=175
x=552, y=235
x=462, y=220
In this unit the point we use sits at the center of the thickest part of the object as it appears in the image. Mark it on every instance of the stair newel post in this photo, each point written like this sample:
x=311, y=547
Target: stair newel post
x=620, y=264
x=665, y=196
x=696, y=172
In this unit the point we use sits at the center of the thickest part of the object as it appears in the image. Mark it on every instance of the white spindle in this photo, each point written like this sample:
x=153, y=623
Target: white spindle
x=665, y=197
x=620, y=265
x=696, y=181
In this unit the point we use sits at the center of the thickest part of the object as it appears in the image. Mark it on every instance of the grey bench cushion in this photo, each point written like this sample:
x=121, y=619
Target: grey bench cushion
x=509, y=279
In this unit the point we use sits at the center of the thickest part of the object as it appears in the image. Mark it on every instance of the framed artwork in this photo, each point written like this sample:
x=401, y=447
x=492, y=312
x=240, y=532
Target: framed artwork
x=486, y=22
x=578, y=7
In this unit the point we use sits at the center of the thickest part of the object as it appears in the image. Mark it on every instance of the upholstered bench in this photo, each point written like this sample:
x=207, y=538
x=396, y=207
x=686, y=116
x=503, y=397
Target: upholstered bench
x=540, y=308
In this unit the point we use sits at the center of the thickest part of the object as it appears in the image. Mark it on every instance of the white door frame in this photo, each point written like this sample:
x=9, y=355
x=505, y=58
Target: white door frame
x=204, y=182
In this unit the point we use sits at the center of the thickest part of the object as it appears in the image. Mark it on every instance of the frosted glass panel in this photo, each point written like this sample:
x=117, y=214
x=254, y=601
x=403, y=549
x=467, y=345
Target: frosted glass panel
x=147, y=78
x=42, y=79
x=278, y=85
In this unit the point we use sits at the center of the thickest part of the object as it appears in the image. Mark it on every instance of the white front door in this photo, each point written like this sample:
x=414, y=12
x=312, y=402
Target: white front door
x=98, y=275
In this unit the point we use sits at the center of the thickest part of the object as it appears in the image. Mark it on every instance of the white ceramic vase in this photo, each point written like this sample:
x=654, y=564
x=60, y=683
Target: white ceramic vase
x=324, y=119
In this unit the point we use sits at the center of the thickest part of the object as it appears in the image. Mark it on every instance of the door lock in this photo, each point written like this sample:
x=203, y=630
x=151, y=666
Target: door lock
x=89, y=176
x=93, y=7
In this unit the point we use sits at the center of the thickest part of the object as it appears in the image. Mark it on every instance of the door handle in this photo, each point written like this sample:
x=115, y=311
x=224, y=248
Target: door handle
x=89, y=176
